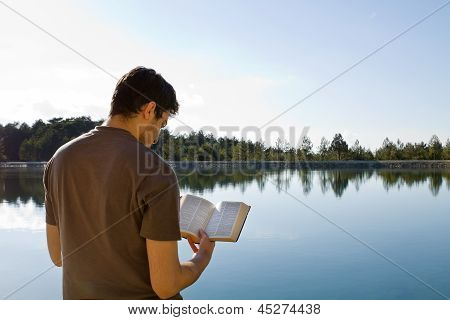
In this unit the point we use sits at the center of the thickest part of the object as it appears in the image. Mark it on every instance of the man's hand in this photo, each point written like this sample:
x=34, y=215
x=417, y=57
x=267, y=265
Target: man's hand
x=205, y=247
x=167, y=275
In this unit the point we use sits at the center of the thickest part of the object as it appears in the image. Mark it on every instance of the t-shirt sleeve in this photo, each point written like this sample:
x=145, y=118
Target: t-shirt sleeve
x=160, y=200
x=49, y=212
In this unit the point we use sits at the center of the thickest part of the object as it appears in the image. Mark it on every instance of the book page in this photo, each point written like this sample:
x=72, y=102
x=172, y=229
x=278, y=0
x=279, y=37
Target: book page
x=194, y=213
x=222, y=219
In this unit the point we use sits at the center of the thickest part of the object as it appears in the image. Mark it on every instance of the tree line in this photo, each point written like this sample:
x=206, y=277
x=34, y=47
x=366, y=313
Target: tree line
x=38, y=142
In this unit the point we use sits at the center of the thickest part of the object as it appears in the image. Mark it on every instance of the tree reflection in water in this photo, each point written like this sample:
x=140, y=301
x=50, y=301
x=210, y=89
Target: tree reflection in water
x=19, y=185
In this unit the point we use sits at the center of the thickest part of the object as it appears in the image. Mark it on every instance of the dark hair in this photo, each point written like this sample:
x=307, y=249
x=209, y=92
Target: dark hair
x=140, y=86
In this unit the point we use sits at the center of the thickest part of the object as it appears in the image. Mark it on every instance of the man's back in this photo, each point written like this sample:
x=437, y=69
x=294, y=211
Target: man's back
x=107, y=193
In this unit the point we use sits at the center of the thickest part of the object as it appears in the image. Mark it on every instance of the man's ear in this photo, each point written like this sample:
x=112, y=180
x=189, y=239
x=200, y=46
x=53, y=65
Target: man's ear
x=148, y=111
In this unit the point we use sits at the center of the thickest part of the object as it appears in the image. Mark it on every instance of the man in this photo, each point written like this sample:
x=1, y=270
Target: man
x=112, y=204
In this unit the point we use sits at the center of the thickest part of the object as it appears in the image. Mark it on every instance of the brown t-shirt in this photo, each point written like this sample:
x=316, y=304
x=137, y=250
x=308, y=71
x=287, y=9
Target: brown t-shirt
x=107, y=193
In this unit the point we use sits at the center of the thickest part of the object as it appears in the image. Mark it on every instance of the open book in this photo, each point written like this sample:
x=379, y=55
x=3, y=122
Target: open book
x=222, y=221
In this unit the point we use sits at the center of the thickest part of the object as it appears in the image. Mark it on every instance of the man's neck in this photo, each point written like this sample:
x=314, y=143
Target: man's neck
x=121, y=123
x=130, y=125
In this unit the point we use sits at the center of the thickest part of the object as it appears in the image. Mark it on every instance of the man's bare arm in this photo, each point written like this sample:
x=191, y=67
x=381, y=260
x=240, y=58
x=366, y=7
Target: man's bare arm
x=53, y=244
x=169, y=276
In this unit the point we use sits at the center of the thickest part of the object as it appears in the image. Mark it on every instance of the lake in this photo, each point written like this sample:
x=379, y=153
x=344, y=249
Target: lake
x=322, y=234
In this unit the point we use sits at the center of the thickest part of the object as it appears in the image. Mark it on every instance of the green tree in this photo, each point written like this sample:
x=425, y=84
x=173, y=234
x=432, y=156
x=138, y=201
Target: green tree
x=42, y=139
x=238, y=152
x=280, y=147
x=356, y=151
x=435, y=148
x=446, y=151
x=45, y=139
x=2, y=150
x=304, y=152
x=323, y=149
x=388, y=150
x=339, y=145
x=398, y=153
x=259, y=151
x=13, y=134
x=409, y=151
x=421, y=151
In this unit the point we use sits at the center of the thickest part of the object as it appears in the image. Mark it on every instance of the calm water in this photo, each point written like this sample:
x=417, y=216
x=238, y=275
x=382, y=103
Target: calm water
x=293, y=245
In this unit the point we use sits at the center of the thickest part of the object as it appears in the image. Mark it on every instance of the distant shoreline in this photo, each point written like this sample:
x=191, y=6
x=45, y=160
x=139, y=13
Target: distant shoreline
x=335, y=164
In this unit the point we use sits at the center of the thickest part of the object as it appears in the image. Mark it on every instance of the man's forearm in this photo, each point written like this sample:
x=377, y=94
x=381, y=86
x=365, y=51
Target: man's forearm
x=191, y=270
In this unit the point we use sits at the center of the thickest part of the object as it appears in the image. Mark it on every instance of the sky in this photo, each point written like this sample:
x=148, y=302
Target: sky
x=237, y=64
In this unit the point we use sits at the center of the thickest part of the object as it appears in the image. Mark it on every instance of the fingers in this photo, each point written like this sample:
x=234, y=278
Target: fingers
x=203, y=234
x=204, y=239
x=192, y=244
x=206, y=245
